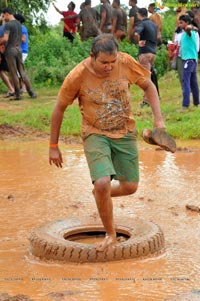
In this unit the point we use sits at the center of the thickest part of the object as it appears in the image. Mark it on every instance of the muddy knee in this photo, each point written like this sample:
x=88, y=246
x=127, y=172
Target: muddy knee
x=102, y=185
x=129, y=187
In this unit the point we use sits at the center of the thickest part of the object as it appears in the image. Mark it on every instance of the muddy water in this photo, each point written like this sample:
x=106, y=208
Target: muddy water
x=32, y=193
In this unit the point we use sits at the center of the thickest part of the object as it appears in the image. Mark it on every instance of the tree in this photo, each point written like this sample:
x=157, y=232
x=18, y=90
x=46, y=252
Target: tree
x=33, y=10
x=174, y=3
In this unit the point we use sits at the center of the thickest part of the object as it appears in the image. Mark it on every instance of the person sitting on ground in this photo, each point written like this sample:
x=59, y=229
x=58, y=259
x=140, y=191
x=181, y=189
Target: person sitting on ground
x=102, y=83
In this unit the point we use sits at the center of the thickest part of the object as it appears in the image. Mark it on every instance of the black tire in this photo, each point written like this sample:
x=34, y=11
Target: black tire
x=51, y=242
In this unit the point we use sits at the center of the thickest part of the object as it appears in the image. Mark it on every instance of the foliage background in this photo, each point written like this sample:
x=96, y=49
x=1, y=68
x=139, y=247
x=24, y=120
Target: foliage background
x=34, y=12
x=51, y=56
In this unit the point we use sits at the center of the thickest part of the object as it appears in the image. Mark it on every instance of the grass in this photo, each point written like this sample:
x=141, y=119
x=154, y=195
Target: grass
x=181, y=125
x=36, y=114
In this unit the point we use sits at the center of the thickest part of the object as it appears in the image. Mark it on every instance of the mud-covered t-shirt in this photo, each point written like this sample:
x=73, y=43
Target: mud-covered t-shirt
x=133, y=13
x=14, y=30
x=120, y=15
x=89, y=17
x=106, y=8
x=104, y=101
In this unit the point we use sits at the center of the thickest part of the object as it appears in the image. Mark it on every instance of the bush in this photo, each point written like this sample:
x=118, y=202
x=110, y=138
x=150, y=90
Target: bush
x=51, y=56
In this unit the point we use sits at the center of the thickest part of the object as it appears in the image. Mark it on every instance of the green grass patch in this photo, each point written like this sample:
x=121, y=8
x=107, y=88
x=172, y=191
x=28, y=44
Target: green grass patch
x=36, y=114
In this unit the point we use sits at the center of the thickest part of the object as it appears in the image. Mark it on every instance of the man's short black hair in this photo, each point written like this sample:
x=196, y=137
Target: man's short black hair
x=20, y=18
x=7, y=10
x=105, y=43
x=87, y=2
x=152, y=5
x=190, y=13
x=117, y=1
x=185, y=18
x=72, y=5
x=143, y=12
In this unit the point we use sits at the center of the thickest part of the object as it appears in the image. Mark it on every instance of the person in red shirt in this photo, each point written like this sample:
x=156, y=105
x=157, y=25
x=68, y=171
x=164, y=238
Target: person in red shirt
x=69, y=28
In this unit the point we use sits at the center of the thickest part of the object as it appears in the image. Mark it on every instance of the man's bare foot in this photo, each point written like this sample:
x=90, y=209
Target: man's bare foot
x=107, y=242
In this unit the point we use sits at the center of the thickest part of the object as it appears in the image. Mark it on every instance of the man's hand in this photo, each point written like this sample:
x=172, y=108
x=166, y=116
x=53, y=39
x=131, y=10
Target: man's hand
x=159, y=137
x=142, y=43
x=55, y=156
x=159, y=124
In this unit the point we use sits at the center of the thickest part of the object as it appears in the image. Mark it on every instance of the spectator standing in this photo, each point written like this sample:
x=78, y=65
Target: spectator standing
x=70, y=19
x=157, y=19
x=119, y=21
x=177, y=40
x=189, y=54
x=24, y=45
x=133, y=19
x=180, y=10
x=195, y=9
x=105, y=17
x=89, y=17
x=146, y=37
x=191, y=14
x=25, y=37
x=4, y=66
x=12, y=39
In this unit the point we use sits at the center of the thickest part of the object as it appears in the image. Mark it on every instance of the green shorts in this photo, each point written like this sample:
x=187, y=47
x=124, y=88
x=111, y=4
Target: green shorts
x=117, y=158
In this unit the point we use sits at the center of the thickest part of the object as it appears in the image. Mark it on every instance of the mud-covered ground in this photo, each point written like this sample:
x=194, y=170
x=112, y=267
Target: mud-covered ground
x=9, y=132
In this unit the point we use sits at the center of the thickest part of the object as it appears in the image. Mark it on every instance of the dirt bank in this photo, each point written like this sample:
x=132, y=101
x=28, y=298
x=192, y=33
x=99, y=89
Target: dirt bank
x=9, y=132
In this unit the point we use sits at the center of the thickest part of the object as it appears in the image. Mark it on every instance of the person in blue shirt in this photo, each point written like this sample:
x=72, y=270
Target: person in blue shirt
x=24, y=45
x=189, y=47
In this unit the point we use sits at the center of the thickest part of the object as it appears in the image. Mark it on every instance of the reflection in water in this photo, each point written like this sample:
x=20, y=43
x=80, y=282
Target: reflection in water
x=32, y=193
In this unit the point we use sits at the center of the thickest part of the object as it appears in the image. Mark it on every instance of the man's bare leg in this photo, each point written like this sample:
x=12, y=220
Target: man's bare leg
x=102, y=193
x=6, y=81
x=123, y=188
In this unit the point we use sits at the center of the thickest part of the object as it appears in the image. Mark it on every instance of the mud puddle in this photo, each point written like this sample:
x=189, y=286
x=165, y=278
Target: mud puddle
x=33, y=193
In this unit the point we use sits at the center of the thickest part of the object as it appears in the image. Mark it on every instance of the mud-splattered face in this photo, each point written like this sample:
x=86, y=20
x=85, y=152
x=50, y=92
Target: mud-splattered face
x=104, y=63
